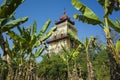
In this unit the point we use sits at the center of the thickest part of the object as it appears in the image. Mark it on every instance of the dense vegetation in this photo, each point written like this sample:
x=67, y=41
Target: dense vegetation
x=89, y=61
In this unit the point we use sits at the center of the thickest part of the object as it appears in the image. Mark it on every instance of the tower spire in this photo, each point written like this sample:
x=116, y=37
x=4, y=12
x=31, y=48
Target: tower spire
x=63, y=18
x=64, y=11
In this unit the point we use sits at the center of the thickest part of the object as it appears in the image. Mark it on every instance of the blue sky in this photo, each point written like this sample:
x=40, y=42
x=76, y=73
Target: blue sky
x=41, y=10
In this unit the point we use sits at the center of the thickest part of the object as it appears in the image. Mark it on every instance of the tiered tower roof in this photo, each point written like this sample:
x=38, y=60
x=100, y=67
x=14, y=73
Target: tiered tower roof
x=63, y=18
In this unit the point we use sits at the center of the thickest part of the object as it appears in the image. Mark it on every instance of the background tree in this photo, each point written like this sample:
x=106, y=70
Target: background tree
x=52, y=68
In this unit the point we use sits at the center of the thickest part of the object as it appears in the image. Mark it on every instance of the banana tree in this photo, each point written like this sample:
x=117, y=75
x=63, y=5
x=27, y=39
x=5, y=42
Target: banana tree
x=89, y=17
x=27, y=46
x=70, y=56
x=7, y=10
x=90, y=68
x=29, y=40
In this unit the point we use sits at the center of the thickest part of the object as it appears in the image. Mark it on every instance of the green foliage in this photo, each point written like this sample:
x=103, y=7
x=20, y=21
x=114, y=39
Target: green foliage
x=8, y=7
x=26, y=46
x=76, y=52
x=109, y=5
x=13, y=24
x=55, y=67
x=118, y=48
x=73, y=37
x=114, y=25
x=52, y=68
x=101, y=65
x=27, y=40
x=7, y=21
x=87, y=16
x=39, y=52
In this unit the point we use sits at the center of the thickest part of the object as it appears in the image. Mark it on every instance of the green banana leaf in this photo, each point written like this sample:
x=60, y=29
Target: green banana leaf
x=4, y=21
x=87, y=42
x=109, y=5
x=33, y=33
x=44, y=28
x=15, y=36
x=8, y=51
x=115, y=26
x=102, y=3
x=64, y=59
x=67, y=55
x=39, y=52
x=8, y=7
x=64, y=49
x=73, y=37
x=117, y=48
x=19, y=29
x=87, y=16
x=117, y=22
x=34, y=29
x=13, y=24
x=76, y=52
x=48, y=34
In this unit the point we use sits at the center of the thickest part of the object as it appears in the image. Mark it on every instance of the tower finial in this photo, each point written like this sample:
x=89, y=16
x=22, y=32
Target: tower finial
x=64, y=11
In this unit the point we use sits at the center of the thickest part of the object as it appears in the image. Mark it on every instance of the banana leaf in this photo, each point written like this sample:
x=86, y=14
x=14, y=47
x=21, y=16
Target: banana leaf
x=64, y=49
x=19, y=29
x=44, y=28
x=8, y=50
x=44, y=37
x=87, y=16
x=48, y=34
x=73, y=37
x=76, y=52
x=13, y=24
x=108, y=5
x=15, y=36
x=87, y=42
x=67, y=54
x=39, y=52
x=33, y=33
x=8, y=7
x=34, y=29
x=63, y=58
x=3, y=21
x=117, y=22
x=115, y=26
x=102, y=3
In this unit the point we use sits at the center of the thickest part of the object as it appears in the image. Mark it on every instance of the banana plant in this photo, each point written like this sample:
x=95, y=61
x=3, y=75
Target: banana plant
x=8, y=7
x=69, y=56
x=90, y=68
x=29, y=40
x=7, y=10
x=89, y=17
x=27, y=46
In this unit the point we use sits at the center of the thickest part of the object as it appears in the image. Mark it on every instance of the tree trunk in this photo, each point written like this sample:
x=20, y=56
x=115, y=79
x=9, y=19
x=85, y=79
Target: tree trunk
x=2, y=45
x=114, y=66
x=91, y=74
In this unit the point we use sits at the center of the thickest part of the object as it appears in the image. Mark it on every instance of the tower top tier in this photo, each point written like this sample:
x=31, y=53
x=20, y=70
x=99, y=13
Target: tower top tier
x=63, y=18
